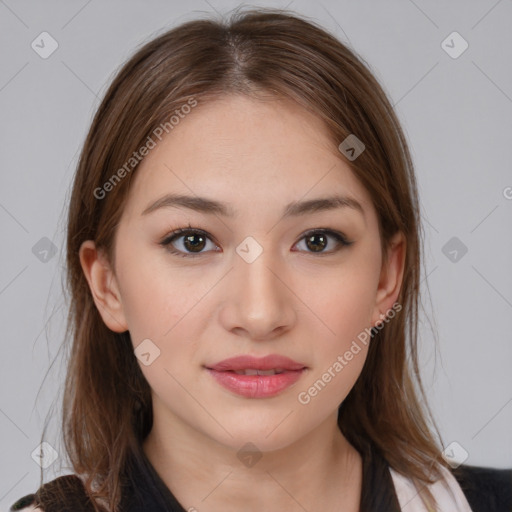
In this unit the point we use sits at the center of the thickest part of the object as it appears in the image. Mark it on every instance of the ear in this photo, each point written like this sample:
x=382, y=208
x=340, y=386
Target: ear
x=103, y=285
x=391, y=276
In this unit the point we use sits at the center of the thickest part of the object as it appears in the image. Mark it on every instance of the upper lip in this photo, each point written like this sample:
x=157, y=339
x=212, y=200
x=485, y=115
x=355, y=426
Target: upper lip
x=246, y=362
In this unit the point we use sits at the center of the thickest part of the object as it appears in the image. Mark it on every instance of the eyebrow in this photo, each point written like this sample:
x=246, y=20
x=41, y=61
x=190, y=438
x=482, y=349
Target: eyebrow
x=293, y=209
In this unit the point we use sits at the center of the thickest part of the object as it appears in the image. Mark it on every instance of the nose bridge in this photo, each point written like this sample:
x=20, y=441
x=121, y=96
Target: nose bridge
x=256, y=270
x=258, y=296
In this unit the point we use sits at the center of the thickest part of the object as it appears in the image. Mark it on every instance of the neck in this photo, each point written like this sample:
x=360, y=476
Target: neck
x=318, y=472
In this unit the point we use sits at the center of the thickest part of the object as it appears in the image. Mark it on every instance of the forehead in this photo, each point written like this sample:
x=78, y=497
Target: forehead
x=245, y=152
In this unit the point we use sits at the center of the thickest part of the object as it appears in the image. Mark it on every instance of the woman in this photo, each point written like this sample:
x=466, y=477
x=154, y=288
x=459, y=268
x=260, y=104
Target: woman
x=244, y=260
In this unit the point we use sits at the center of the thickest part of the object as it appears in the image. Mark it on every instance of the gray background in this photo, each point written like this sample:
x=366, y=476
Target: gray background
x=456, y=113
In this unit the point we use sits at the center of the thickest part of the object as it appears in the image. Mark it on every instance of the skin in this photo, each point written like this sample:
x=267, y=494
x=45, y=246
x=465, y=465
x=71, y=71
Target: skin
x=257, y=156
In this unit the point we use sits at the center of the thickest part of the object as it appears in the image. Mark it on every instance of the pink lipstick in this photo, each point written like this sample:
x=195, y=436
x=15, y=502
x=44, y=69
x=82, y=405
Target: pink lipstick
x=254, y=377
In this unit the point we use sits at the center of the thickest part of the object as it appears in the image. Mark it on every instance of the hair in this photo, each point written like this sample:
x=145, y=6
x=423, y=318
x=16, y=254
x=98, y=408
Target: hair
x=263, y=51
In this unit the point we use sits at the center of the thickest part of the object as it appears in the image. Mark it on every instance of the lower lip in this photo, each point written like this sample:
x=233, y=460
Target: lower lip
x=256, y=386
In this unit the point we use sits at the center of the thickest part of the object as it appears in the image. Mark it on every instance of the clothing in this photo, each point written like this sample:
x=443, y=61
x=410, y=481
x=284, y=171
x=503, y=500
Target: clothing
x=383, y=490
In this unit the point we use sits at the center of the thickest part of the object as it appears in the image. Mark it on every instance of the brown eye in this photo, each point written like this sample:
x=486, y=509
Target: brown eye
x=194, y=242
x=316, y=241
x=191, y=242
x=187, y=242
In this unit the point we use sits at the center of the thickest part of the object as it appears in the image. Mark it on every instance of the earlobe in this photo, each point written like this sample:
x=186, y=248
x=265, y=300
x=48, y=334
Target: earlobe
x=391, y=277
x=103, y=286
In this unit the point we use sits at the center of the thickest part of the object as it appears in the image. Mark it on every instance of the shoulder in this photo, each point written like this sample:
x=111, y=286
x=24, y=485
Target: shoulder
x=465, y=489
x=486, y=489
x=66, y=490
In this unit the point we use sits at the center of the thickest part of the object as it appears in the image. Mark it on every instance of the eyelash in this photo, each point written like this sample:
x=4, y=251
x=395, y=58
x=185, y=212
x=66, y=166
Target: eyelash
x=178, y=233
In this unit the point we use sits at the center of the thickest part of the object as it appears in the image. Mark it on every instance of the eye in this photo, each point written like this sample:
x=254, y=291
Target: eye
x=191, y=241
x=317, y=240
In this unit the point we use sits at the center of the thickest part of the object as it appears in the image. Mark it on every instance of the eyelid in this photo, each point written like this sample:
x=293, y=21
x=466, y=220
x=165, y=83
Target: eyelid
x=182, y=231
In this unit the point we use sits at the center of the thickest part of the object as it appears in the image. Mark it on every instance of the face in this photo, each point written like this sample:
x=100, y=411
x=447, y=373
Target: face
x=262, y=273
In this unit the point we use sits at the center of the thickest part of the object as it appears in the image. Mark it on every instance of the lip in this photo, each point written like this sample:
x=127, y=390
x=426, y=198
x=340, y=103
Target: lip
x=257, y=386
x=268, y=362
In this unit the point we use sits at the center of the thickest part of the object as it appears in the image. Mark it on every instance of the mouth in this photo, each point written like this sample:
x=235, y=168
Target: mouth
x=252, y=371
x=245, y=363
x=253, y=377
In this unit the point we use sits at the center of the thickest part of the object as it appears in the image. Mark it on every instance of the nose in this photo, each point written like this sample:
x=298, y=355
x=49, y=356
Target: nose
x=259, y=302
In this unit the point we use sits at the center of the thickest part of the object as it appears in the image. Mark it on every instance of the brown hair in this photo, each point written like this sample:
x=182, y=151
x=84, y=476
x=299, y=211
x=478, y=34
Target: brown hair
x=277, y=53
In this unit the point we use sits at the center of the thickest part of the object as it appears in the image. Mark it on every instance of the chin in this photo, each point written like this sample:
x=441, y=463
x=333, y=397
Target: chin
x=265, y=439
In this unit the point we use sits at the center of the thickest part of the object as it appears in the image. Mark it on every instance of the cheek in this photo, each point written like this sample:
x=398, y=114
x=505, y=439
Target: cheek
x=161, y=313
x=345, y=307
x=332, y=379
x=348, y=311
x=340, y=355
x=345, y=302
x=156, y=299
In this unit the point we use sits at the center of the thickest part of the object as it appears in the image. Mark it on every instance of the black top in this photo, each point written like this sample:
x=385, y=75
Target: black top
x=486, y=489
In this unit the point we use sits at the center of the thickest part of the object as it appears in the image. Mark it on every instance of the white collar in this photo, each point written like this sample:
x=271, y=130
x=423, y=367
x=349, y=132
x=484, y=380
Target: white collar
x=447, y=492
